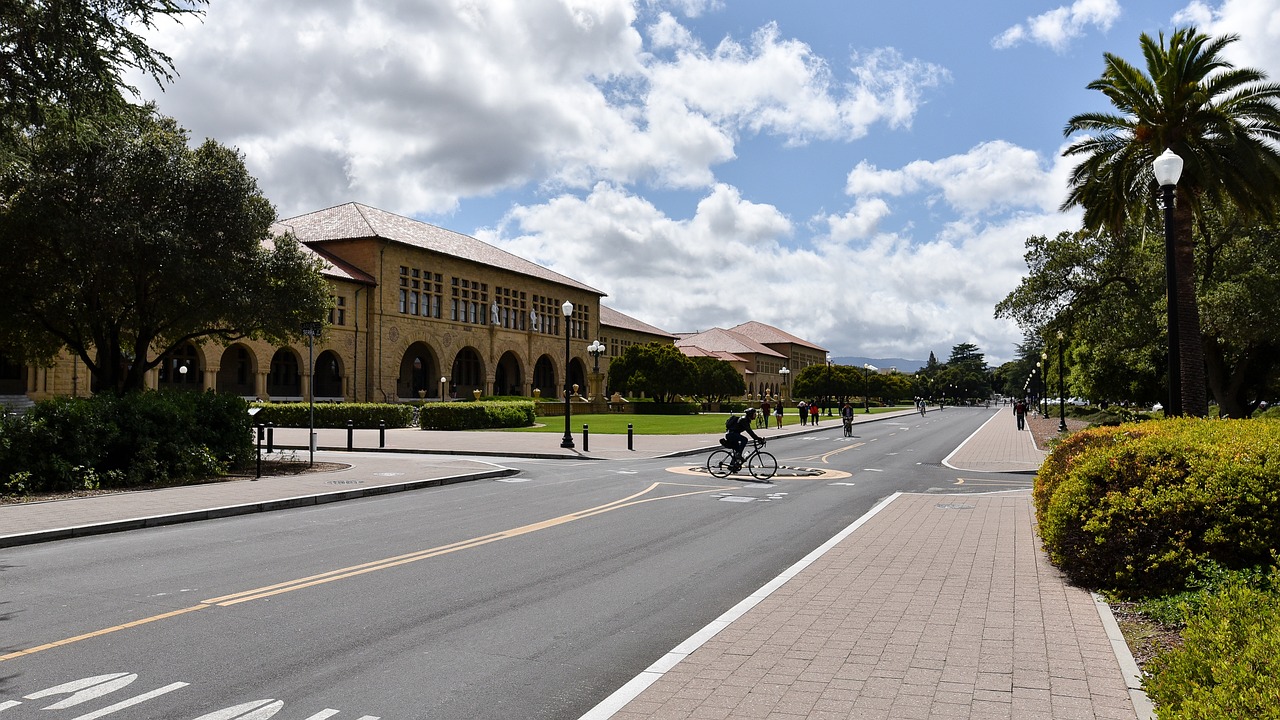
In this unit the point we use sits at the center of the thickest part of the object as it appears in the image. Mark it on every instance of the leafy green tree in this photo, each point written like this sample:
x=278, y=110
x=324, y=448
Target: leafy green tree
x=67, y=57
x=1223, y=121
x=716, y=379
x=1104, y=291
x=656, y=369
x=122, y=243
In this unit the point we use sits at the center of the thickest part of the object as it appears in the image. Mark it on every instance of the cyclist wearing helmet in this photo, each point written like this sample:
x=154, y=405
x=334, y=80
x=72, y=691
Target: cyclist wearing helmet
x=735, y=436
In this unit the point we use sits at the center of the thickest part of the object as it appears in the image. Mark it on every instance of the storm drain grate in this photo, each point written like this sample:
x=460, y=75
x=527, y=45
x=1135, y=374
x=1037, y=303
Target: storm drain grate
x=955, y=506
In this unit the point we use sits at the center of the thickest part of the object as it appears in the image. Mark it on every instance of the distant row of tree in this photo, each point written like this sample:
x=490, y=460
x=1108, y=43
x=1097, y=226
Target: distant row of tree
x=663, y=372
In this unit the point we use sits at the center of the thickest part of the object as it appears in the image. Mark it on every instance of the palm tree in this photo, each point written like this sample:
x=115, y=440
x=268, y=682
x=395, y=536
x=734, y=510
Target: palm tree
x=1225, y=124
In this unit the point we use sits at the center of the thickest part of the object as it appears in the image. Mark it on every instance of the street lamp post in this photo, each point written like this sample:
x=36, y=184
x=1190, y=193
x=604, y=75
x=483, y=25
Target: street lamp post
x=567, y=310
x=866, y=386
x=1168, y=168
x=595, y=350
x=1044, y=383
x=785, y=373
x=1062, y=401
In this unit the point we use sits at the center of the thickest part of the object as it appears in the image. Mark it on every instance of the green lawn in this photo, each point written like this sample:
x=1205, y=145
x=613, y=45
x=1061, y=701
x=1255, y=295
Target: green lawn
x=616, y=423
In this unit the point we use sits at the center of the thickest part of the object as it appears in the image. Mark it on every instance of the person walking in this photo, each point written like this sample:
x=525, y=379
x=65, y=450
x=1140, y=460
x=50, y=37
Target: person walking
x=764, y=412
x=814, y=411
x=1020, y=412
x=777, y=415
x=803, y=407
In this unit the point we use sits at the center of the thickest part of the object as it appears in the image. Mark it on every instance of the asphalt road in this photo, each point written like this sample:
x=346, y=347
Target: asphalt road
x=527, y=597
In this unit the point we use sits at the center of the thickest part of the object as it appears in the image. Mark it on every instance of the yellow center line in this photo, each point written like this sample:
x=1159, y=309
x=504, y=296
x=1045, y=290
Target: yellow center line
x=354, y=570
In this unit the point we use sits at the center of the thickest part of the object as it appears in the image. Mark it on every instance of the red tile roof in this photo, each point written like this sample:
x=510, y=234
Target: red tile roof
x=719, y=339
x=612, y=318
x=354, y=221
x=771, y=335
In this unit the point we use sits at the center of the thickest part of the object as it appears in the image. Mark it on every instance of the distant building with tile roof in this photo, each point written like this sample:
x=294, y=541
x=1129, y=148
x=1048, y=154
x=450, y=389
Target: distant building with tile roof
x=759, y=352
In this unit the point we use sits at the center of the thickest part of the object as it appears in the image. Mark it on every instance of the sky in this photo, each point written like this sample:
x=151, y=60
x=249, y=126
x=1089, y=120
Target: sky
x=861, y=174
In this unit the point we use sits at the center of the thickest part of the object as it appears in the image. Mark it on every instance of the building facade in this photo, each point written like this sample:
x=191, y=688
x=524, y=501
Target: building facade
x=424, y=313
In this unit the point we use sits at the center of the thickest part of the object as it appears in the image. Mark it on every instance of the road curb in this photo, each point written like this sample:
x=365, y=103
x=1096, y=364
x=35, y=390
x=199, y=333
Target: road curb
x=244, y=509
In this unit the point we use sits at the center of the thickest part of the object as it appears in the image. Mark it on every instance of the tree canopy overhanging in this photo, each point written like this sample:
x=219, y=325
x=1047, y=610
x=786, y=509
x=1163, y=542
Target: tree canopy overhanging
x=121, y=243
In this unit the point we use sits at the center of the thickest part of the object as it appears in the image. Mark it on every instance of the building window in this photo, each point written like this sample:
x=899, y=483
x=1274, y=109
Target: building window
x=338, y=313
x=470, y=301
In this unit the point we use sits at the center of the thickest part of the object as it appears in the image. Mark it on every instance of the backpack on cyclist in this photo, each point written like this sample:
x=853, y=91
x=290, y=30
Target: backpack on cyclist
x=731, y=424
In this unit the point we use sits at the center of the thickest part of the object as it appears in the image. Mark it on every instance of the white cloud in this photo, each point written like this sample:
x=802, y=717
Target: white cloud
x=1257, y=22
x=1058, y=27
x=729, y=263
x=415, y=106
x=991, y=177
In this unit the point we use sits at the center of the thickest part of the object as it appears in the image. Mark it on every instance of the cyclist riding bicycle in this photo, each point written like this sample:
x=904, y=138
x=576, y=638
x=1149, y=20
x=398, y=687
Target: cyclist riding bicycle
x=736, y=440
x=846, y=414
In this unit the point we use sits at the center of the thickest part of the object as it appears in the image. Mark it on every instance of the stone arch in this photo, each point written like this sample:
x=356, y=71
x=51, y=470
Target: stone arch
x=181, y=369
x=13, y=377
x=508, y=378
x=419, y=373
x=285, y=377
x=238, y=372
x=578, y=375
x=545, y=377
x=468, y=373
x=328, y=381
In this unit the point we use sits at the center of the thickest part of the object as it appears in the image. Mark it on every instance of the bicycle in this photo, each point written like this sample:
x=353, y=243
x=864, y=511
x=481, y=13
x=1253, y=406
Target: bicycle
x=848, y=427
x=760, y=464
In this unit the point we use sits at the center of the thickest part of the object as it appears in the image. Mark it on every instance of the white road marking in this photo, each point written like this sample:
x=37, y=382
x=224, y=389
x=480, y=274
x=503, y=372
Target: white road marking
x=133, y=701
x=253, y=710
x=84, y=690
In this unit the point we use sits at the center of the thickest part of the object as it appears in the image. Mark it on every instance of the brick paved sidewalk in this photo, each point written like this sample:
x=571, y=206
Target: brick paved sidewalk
x=939, y=606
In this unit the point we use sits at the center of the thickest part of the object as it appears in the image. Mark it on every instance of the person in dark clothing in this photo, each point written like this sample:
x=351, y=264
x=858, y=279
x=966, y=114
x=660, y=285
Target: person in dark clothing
x=1020, y=411
x=736, y=436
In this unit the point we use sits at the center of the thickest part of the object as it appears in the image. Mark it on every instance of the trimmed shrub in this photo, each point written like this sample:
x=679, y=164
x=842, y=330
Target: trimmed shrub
x=1136, y=508
x=1229, y=663
x=661, y=408
x=335, y=415
x=476, y=415
x=108, y=441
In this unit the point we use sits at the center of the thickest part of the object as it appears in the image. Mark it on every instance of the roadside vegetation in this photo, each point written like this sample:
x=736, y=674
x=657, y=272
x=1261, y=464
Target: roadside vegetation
x=1178, y=519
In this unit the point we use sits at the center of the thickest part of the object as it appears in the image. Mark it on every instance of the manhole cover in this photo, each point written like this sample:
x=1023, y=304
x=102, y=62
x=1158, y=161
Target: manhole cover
x=346, y=482
x=955, y=506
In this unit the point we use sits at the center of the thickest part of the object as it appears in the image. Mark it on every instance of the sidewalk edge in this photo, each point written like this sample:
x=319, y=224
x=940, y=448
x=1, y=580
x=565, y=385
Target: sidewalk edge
x=1142, y=705
x=65, y=533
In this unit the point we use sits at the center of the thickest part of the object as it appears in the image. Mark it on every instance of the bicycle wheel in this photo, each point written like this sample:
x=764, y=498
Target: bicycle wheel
x=719, y=463
x=762, y=465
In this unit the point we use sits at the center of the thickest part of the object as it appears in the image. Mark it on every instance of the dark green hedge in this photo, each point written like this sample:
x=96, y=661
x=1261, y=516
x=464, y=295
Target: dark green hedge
x=476, y=415
x=1137, y=507
x=109, y=441
x=335, y=415
x=673, y=408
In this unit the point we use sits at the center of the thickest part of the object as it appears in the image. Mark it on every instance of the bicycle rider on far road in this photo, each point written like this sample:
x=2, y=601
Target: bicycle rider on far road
x=736, y=437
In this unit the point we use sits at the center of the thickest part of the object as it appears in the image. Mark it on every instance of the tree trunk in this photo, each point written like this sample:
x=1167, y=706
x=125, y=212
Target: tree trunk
x=1192, y=371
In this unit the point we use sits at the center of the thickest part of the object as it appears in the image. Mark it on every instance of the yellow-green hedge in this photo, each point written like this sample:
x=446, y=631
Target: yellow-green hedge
x=1135, y=508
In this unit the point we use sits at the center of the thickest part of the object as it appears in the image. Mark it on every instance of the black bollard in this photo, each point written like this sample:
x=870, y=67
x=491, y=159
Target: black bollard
x=351, y=430
x=259, y=452
x=382, y=433
x=586, y=435
x=630, y=436
x=271, y=437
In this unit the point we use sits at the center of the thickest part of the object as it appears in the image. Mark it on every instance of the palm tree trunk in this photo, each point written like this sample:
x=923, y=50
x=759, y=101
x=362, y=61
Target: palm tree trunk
x=1192, y=372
